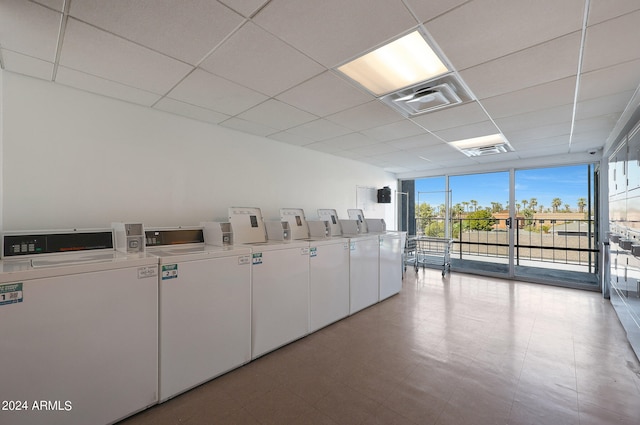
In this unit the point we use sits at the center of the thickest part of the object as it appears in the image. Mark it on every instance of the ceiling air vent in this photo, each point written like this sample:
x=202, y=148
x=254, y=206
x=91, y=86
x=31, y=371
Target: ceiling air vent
x=485, y=150
x=428, y=96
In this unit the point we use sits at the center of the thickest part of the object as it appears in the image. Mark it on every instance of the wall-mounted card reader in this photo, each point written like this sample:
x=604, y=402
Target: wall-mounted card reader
x=129, y=237
x=278, y=230
x=376, y=225
x=350, y=227
x=319, y=229
x=217, y=233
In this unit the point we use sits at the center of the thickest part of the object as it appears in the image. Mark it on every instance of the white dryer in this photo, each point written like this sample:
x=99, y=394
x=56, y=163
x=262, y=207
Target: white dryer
x=328, y=270
x=79, y=328
x=391, y=246
x=280, y=282
x=363, y=261
x=205, y=308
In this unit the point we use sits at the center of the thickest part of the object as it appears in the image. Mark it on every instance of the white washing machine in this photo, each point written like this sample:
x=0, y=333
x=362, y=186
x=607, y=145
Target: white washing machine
x=79, y=338
x=328, y=271
x=391, y=246
x=363, y=261
x=205, y=308
x=280, y=282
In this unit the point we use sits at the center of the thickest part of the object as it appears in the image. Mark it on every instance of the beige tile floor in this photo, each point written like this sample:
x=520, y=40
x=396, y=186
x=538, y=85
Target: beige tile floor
x=460, y=350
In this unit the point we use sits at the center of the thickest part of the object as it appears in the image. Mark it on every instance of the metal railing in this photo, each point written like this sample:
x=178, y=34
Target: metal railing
x=561, y=241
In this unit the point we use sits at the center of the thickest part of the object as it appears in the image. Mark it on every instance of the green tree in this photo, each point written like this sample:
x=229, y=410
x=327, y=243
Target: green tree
x=582, y=202
x=533, y=202
x=457, y=210
x=465, y=204
x=424, y=216
x=480, y=220
x=567, y=207
x=475, y=204
x=555, y=203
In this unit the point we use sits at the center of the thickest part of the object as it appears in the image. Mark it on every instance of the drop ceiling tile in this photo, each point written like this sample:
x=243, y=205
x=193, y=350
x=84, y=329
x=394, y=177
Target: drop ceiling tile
x=484, y=128
x=248, y=127
x=245, y=7
x=274, y=113
x=538, y=133
x=603, y=124
x=376, y=149
x=323, y=147
x=190, y=111
x=502, y=157
x=606, y=81
x=603, y=10
x=99, y=53
x=609, y=43
x=396, y=170
x=333, y=31
x=29, y=28
x=615, y=103
x=57, y=5
x=556, y=115
x=209, y=91
x=319, y=130
x=483, y=30
x=526, y=68
x=350, y=141
x=187, y=31
x=588, y=141
x=348, y=155
x=538, y=144
x=27, y=65
x=438, y=153
x=292, y=139
x=325, y=94
x=394, y=131
x=468, y=113
x=91, y=83
x=256, y=59
x=366, y=116
x=416, y=142
x=556, y=93
x=428, y=10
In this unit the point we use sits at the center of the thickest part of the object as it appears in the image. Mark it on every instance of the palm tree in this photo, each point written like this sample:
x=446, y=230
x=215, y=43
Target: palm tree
x=532, y=203
x=555, y=203
x=475, y=204
x=567, y=207
x=581, y=204
x=524, y=203
x=466, y=205
x=541, y=208
x=518, y=208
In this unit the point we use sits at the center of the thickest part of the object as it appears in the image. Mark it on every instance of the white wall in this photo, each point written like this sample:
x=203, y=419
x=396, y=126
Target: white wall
x=74, y=159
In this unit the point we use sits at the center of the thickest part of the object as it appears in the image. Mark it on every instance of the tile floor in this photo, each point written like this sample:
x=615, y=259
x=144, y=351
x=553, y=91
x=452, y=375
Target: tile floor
x=460, y=350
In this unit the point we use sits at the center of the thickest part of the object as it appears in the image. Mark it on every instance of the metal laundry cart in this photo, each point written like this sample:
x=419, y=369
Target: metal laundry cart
x=430, y=250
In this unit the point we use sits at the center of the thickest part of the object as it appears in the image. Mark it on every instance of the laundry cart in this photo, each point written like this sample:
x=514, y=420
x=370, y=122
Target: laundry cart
x=433, y=251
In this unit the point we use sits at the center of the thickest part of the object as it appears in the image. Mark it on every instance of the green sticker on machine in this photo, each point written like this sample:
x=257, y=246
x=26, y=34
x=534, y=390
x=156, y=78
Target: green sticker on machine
x=169, y=271
x=10, y=293
x=256, y=258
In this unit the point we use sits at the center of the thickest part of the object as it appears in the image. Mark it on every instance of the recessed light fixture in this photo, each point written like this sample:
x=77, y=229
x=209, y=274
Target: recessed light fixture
x=399, y=64
x=484, y=145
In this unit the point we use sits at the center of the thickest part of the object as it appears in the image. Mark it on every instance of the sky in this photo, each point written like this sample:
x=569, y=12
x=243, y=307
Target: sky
x=567, y=183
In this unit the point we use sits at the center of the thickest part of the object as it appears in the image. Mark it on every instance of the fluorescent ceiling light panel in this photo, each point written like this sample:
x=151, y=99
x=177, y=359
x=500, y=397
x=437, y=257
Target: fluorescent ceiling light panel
x=401, y=63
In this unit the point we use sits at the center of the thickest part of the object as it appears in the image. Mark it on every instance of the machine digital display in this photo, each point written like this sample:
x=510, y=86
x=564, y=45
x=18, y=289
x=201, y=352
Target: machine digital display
x=333, y=219
x=15, y=245
x=254, y=220
x=173, y=237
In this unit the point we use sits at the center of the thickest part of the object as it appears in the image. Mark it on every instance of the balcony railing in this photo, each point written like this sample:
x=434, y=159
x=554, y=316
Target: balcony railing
x=570, y=242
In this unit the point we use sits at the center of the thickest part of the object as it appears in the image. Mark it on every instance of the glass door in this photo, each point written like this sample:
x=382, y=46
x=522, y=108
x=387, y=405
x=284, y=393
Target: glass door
x=480, y=225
